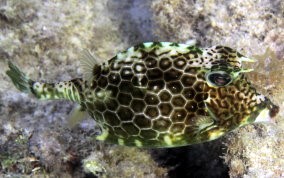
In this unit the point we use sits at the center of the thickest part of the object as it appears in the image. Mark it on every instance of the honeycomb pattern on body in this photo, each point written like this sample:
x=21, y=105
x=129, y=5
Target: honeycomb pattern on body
x=147, y=97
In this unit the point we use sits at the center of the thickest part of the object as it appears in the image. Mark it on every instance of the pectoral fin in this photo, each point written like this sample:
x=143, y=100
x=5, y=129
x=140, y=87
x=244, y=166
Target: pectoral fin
x=203, y=122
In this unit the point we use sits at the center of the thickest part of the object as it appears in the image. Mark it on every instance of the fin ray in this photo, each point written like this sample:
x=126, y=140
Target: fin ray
x=20, y=80
x=88, y=62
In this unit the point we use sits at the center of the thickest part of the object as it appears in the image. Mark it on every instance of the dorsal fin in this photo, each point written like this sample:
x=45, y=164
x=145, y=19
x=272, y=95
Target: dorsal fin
x=88, y=63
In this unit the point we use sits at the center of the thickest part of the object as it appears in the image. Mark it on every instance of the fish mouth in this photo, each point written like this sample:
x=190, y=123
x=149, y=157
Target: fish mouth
x=273, y=110
x=268, y=112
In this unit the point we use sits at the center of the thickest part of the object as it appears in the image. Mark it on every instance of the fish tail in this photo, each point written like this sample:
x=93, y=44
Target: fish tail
x=20, y=80
x=70, y=90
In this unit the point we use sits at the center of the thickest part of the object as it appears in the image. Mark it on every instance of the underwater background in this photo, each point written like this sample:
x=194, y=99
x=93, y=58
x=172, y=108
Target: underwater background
x=46, y=37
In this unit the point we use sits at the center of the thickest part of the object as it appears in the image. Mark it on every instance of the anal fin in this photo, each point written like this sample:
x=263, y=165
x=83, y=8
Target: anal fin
x=77, y=115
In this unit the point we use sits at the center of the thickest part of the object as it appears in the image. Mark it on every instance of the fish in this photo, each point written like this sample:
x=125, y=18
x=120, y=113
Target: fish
x=160, y=94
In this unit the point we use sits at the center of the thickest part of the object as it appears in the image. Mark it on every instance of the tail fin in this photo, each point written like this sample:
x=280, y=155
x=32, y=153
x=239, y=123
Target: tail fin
x=61, y=90
x=20, y=80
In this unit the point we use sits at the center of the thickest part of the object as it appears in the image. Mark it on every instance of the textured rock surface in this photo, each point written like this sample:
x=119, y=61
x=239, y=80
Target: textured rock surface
x=45, y=38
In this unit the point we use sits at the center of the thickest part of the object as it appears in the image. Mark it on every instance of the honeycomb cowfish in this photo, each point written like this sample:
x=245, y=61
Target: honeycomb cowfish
x=160, y=94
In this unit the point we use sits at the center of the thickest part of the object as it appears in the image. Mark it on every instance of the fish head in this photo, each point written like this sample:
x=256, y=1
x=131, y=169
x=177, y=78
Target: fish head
x=232, y=99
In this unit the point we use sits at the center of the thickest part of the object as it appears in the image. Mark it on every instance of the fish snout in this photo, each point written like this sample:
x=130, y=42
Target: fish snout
x=268, y=113
x=273, y=110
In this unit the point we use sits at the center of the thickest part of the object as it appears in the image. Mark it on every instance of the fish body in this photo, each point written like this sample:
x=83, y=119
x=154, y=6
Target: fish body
x=161, y=94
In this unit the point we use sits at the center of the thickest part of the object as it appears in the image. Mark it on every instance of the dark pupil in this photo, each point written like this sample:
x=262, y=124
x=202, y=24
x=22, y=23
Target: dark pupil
x=220, y=79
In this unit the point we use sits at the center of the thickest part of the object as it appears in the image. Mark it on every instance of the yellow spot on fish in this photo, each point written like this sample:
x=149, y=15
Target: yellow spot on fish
x=168, y=140
x=103, y=136
x=215, y=134
x=120, y=141
x=138, y=143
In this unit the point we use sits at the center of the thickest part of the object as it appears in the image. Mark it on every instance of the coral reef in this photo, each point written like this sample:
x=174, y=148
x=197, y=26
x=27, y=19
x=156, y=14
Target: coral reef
x=120, y=161
x=256, y=151
x=213, y=22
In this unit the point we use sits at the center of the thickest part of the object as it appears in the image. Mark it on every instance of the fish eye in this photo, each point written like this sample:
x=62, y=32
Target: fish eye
x=218, y=78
